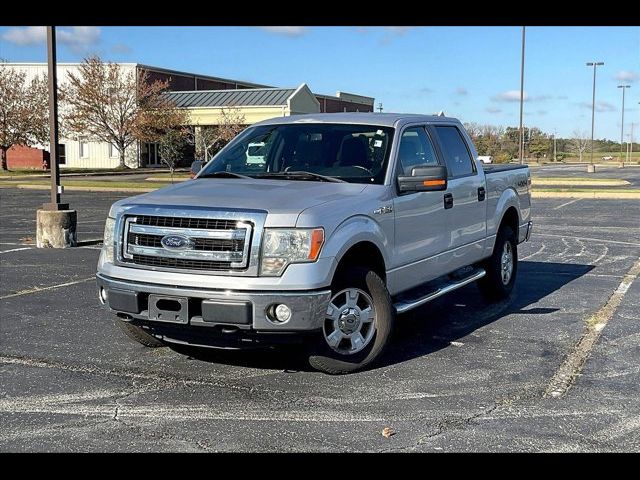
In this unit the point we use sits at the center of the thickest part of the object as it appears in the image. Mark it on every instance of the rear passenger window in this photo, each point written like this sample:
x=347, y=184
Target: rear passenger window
x=455, y=151
x=415, y=150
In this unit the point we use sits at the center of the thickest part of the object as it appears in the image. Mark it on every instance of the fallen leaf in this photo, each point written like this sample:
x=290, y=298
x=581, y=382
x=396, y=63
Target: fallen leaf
x=387, y=432
x=457, y=344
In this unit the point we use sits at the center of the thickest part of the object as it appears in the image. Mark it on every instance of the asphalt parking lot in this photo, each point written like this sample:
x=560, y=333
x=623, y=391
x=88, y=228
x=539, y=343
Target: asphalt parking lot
x=461, y=374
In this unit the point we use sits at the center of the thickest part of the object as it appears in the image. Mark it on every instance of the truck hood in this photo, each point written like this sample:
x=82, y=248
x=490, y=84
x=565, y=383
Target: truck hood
x=283, y=200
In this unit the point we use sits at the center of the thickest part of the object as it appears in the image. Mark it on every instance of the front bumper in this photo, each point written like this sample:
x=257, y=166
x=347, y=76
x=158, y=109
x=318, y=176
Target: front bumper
x=231, y=309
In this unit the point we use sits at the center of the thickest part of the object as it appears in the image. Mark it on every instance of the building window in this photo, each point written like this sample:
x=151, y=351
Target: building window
x=83, y=146
x=62, y=154
x=113, y=151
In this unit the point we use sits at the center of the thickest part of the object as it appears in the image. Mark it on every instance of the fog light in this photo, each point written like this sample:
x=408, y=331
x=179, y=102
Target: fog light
x=103, y=295
x=283, y=313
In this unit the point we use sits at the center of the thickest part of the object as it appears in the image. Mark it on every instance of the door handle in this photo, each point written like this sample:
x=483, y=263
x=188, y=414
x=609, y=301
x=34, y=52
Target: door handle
x=448, y=200
x=482, y=193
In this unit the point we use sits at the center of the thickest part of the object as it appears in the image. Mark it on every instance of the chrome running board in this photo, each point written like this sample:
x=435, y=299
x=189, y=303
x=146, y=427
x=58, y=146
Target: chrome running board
x=409, y=304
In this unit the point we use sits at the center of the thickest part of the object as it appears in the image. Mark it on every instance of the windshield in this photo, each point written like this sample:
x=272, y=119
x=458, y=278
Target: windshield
x=352, y=153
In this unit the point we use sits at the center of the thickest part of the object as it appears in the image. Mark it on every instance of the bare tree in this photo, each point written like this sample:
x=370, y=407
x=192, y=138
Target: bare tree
x=171, y=147
x=209, y=139
x=23, y=110
x=580, y=142
x=110, y=105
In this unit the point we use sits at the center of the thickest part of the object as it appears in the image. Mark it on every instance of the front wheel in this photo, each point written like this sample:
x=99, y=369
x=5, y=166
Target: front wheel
x=501, y=266
x=358, y=323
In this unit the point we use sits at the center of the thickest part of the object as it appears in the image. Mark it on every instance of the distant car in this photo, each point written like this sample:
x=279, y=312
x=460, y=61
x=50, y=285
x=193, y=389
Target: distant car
x=196, y=166
x=485, y=158
x=608, y=157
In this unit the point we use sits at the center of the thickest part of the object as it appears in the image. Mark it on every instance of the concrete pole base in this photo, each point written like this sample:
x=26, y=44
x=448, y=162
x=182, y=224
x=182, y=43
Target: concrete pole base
x=56, y=228
x=591, y=168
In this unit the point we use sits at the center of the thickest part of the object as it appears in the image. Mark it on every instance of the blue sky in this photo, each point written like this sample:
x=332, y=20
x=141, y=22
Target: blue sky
x=469, y=72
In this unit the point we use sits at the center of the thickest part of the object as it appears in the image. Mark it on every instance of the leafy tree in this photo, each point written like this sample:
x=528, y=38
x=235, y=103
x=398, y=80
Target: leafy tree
x=24, y=111
x=111, y=105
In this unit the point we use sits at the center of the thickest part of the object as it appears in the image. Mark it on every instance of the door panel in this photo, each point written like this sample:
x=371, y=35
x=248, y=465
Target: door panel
x=420, y=218
x=466, y=220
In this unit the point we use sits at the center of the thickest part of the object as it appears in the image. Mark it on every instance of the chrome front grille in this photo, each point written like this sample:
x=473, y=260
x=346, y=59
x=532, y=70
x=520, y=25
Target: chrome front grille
x=210, y=244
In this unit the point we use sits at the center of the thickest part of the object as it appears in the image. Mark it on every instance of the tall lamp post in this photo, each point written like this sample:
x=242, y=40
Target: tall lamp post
x=591, y=167
x=623, y=87
x=521, y=149
x=55, y=223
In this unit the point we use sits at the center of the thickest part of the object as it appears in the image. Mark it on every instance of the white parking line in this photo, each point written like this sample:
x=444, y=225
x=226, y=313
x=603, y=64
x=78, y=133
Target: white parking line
x=567, y=203
x=598, y=240
x=16, y=249
x=40, y=289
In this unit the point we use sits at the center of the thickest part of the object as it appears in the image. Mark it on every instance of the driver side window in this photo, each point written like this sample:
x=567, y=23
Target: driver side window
x=415, y=149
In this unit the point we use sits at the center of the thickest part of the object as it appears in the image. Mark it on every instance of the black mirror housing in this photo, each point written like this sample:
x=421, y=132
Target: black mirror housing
x=424, y=179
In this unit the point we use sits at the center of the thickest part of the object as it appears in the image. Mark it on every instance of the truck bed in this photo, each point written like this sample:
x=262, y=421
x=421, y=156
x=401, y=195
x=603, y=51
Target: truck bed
x=489, y=169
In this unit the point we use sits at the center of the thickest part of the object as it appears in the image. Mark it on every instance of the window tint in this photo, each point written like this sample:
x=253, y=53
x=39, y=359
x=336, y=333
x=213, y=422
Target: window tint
x=455, y=151
x=415, y=149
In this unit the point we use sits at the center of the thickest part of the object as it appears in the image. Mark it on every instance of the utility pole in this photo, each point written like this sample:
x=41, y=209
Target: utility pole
x=555, y=133
x=380, y=107
x=55, y=223
x=623, y=87
x=592, y=168
x=521, y=152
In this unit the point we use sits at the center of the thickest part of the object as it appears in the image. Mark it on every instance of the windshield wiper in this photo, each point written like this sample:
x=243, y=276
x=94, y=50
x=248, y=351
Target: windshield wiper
x=302, y=173
x=223, y=174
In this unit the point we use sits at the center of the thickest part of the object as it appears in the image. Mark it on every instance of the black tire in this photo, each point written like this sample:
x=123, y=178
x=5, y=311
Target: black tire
x=138, y=334
x=492, y=284
x=324, y=358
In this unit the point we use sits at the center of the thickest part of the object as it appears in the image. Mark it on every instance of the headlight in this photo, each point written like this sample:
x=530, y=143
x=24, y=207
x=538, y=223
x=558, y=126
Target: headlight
x=107, y=244
x=280, y=247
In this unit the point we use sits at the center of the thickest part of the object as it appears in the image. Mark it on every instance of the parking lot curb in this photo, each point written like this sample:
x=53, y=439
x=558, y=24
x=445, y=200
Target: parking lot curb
x=595, y=194
x=71, y=188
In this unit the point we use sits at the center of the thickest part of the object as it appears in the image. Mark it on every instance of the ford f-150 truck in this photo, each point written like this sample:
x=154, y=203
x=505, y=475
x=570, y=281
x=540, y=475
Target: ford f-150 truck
x=346, y=220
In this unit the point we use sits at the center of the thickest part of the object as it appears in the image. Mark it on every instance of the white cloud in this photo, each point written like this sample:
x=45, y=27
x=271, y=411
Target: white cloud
x=121, y=48
x=25, y=35
x=398, y=30
x=509, y=96
x=627, y=76
x=493, y=110
x=287, y=31
x=514, y=96
x=77, y=38
x=600, y=106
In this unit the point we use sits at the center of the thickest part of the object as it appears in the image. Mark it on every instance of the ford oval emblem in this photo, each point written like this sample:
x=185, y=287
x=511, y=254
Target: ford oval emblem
x=176, y=242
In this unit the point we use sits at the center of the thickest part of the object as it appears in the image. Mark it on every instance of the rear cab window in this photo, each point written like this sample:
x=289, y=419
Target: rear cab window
x=455, y=151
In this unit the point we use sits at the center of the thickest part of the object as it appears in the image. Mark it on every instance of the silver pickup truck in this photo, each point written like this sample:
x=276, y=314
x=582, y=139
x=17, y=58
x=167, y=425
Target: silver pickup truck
x=335, y=225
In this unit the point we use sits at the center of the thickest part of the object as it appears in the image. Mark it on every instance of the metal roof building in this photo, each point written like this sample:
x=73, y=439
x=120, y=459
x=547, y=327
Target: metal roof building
x=256, y=104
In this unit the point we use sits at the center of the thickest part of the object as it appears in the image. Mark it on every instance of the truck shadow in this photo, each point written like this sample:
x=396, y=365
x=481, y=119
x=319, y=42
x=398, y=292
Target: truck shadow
x=452, y=317
x=429, y=328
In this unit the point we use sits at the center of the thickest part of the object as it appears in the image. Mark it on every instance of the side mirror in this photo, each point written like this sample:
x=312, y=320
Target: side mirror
x=424, y=179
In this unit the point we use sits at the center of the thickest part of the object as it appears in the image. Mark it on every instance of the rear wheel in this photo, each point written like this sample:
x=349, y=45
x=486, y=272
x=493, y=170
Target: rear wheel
x=138, y=334
x=501, y=267
x=357, y=325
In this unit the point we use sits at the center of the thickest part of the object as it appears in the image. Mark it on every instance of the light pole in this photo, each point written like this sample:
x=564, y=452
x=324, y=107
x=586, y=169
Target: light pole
x=55, y=223
x=592, y=168
x=623, y=87
x=521, y=149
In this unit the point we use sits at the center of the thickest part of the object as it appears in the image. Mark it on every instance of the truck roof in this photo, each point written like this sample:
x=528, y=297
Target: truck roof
x=364, y=118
